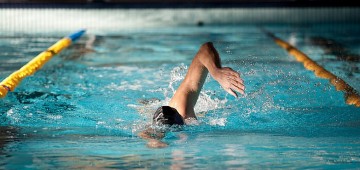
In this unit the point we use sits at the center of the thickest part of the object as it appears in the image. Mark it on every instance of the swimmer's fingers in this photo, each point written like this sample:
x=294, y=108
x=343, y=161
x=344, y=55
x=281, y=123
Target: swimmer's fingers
x=230, y=80
x=237, y=87
x=236, y=83
x=239, y=83
x=230, y=91
x=233, y=88
x=235, y=75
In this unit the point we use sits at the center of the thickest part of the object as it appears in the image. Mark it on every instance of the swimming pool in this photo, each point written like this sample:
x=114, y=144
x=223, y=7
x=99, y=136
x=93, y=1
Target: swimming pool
x=84, y=108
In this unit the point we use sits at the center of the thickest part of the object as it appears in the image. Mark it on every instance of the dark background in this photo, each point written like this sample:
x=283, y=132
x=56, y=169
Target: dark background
x=177, y=3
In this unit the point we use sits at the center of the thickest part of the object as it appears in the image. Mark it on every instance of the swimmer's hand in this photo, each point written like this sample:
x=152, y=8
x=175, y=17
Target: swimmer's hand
x=229, y=80
x=154, y=143
x=153, y=137
x=151, y=134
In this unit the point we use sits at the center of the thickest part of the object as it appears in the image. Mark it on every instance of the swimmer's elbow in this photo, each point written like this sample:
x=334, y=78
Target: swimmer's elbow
x=206, y=46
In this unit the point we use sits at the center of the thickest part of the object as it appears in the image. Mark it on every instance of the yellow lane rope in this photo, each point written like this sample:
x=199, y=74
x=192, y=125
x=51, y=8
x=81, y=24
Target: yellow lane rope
x=352, y=97
x=10, y=83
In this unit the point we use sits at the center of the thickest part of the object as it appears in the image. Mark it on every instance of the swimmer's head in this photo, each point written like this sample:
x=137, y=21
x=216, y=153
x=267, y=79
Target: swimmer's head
x=166, y=115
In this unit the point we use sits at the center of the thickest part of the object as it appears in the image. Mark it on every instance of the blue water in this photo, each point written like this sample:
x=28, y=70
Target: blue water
x=84, y=108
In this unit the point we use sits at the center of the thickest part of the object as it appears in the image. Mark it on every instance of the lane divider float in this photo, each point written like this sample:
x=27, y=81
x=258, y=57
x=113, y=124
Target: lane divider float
x=352, y=97
x=10, y=83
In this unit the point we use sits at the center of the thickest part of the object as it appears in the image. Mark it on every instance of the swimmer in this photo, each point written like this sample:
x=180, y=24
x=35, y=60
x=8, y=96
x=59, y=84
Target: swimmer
x=180, y=110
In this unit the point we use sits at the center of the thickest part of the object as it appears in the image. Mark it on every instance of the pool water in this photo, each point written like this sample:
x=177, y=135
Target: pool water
x=85, y=107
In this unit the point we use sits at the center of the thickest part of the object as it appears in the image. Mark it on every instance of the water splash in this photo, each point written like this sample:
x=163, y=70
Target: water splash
x=208, y=100
x=177, y=74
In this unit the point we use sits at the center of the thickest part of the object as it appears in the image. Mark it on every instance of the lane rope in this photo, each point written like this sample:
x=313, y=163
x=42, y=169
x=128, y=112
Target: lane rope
x=12, y=81
x=351, y=96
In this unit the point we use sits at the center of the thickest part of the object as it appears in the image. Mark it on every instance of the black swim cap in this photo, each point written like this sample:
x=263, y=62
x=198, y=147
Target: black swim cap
x=166, y=115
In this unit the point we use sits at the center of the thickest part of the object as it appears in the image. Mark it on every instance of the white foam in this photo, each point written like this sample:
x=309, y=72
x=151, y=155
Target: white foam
x=206, y=103
x=177, y=74
x=54, y=117
x=217, y=121
x=13, y=116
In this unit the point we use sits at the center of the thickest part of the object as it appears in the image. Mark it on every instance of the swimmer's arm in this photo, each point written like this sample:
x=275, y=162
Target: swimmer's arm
x=228, y=78
x=206, y=60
